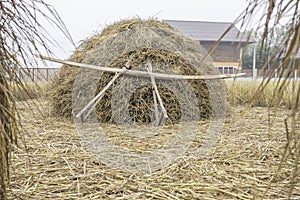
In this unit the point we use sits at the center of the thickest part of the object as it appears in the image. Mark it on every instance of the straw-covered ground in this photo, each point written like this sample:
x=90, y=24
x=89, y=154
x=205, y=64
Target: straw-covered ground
x=243, y=165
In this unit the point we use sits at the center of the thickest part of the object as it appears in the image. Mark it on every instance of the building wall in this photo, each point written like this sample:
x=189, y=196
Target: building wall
x=226, y=52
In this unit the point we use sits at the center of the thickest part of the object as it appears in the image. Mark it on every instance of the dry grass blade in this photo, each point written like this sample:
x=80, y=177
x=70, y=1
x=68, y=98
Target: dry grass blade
x=276, y=14
x=21, y=35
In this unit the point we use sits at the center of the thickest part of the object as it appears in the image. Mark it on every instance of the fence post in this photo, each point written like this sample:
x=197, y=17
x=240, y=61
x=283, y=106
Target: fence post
x=47, y=70
x=254, y=63
x=33, y=74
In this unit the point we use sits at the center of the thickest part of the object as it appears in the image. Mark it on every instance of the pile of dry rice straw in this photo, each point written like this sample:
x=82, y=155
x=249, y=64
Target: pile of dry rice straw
x=134, y=43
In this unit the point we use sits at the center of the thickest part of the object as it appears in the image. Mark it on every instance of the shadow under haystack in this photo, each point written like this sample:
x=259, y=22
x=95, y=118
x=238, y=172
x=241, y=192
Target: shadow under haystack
x=135, y=43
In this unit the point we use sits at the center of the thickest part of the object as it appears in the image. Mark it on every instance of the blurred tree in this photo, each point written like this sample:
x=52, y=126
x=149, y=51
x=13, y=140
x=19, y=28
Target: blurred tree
x=263, y=52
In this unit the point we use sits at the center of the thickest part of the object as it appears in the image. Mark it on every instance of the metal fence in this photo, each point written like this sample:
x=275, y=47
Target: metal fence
x=36, y=74
x=276, y=73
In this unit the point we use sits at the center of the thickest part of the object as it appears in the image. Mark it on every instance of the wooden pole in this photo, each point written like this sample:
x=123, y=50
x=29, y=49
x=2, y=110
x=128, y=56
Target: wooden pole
x=159, y=76
x=97, y=98
x=149, y=68
x=164, y=111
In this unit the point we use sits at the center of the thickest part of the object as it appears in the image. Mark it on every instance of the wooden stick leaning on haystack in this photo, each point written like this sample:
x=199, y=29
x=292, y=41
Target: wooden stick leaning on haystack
x=99, y=96
x=156, y=94
x=154, y=102
x=96, y=99
x=159, y=76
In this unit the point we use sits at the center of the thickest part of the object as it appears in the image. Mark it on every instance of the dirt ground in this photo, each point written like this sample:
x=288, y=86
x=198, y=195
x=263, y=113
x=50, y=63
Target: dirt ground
x=51, y=163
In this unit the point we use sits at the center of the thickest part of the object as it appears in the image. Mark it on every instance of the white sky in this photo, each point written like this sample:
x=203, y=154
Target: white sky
x=84, y=18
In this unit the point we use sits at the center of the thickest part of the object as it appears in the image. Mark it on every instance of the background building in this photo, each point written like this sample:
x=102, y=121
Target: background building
x=227, y=56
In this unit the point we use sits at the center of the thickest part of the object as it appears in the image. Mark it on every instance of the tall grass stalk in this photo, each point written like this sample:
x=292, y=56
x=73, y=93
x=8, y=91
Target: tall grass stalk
x=244, y=93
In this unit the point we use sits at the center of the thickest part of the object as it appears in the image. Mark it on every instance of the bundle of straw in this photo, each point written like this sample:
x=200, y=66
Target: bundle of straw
x=134, y=43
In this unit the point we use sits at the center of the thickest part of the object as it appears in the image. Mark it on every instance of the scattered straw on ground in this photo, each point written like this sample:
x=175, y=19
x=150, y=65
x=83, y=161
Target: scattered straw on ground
x=244, y=164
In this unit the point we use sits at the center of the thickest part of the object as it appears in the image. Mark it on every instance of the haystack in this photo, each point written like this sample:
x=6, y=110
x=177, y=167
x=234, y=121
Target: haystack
x=134, y=43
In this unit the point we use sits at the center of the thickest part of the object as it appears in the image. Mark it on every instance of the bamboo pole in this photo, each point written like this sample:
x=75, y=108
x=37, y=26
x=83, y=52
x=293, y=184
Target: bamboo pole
x=98, y=97
x=149, y=68
x=164, y=111
x=159, y=76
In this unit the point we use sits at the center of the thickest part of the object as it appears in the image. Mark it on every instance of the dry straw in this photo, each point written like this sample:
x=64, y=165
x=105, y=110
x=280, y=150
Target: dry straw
x=243, y=93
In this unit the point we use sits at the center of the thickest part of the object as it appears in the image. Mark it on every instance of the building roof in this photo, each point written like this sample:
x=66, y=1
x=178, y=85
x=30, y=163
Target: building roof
x=208, y=31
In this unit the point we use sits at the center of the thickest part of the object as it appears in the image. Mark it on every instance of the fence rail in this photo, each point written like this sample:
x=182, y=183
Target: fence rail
x=276, y=73
x=36, y=74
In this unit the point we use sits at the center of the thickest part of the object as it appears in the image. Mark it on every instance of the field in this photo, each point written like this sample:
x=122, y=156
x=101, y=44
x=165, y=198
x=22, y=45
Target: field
x=248, y=162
